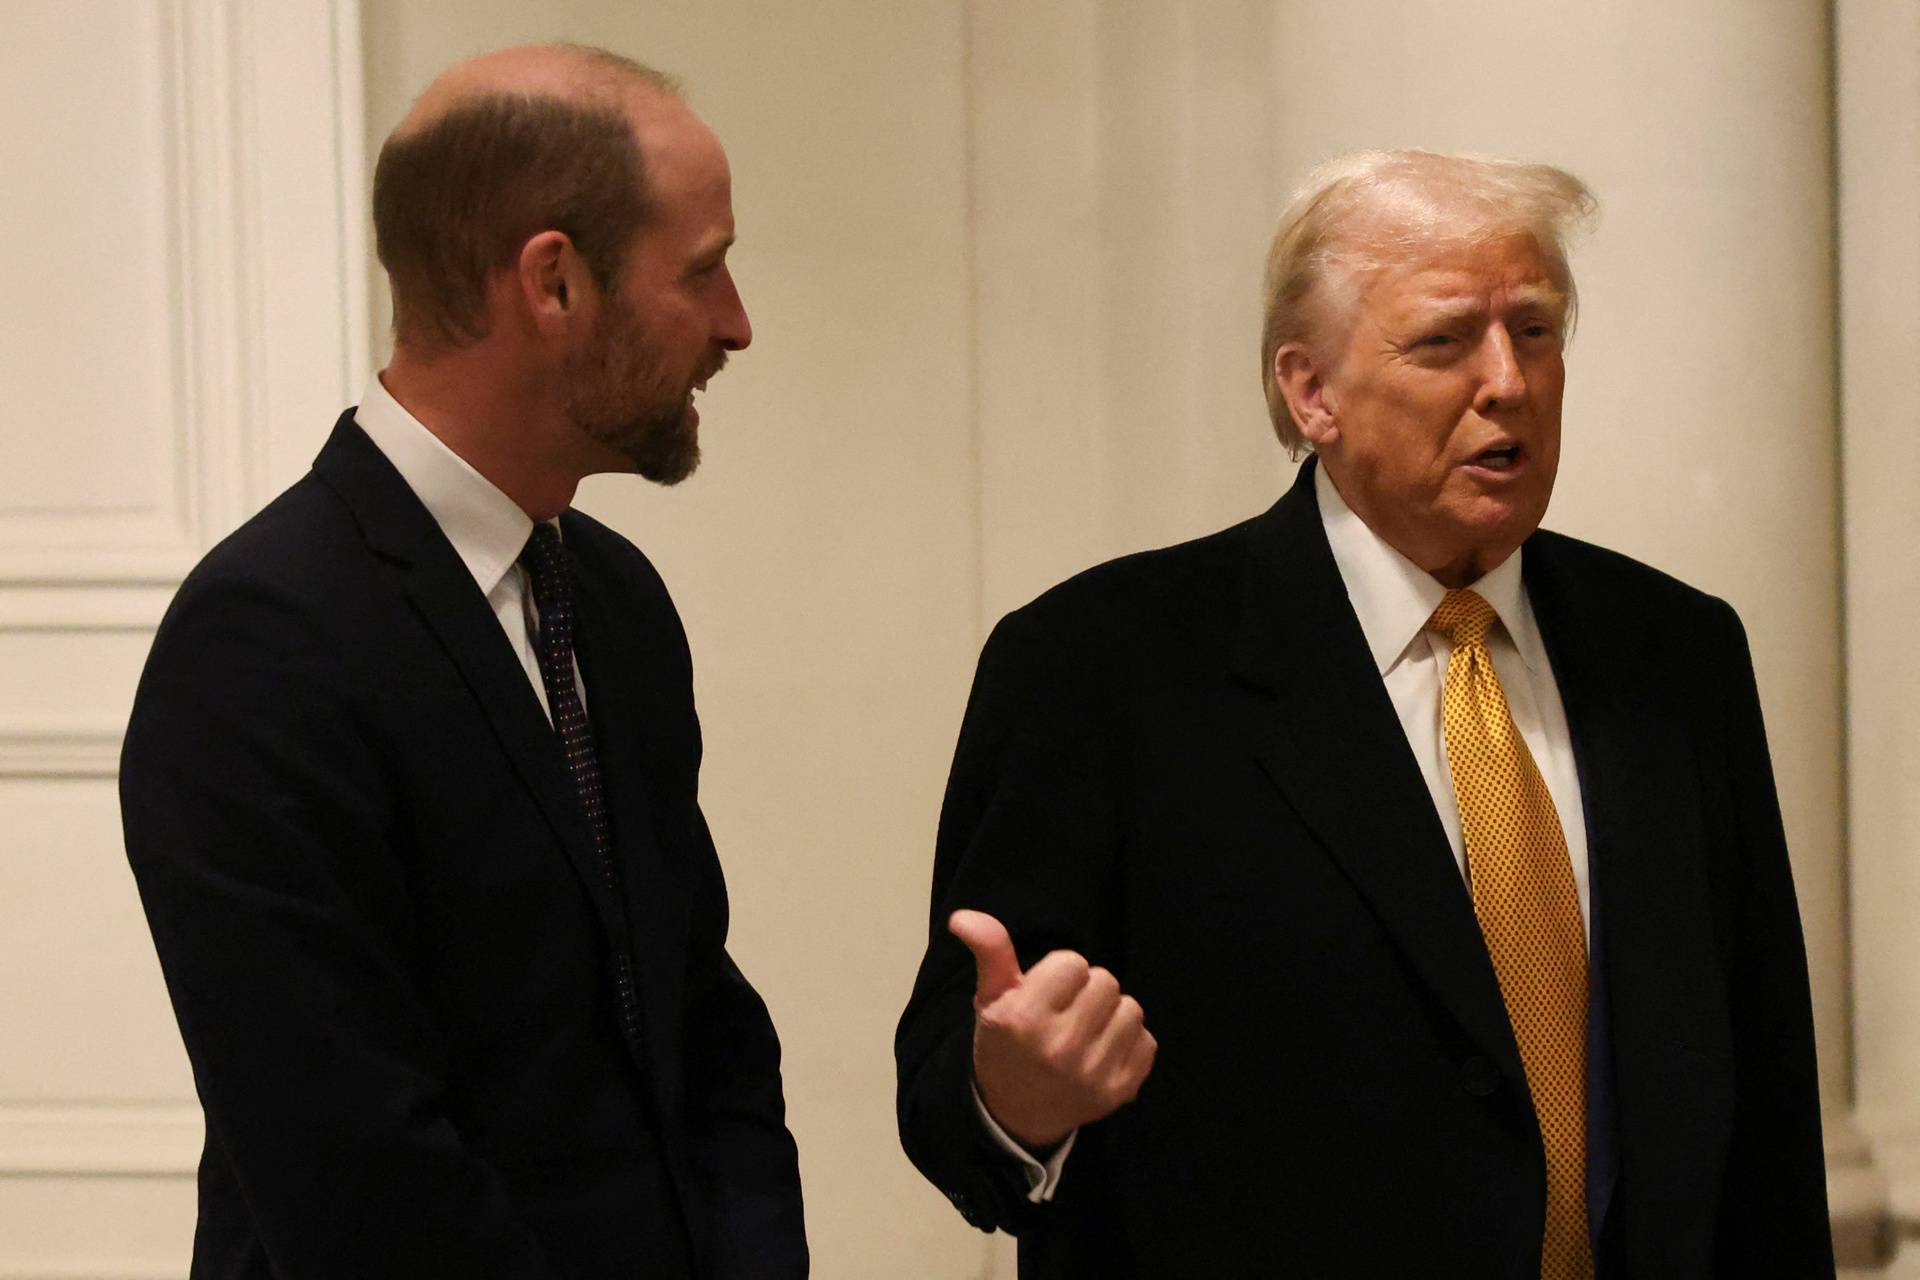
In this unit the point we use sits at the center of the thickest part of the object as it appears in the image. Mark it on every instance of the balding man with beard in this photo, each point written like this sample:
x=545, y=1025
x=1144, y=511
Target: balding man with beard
x=410, y=784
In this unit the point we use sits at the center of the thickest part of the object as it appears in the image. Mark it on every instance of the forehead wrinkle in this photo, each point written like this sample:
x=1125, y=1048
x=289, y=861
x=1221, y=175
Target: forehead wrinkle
x=1446, y=302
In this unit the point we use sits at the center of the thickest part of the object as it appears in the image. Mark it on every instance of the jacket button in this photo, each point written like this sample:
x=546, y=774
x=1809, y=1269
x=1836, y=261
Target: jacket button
x=1479, y=1077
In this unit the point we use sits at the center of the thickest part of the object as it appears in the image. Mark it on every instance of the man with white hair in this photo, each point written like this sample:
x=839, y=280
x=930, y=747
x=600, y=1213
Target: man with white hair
x=410, y=788
x=1440, y=854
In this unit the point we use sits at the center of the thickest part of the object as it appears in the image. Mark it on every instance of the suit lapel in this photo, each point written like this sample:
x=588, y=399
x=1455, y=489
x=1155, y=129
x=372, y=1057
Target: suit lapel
x=400, y=529
x=1326, y=733
x=1666, y=1018
x=625, y=667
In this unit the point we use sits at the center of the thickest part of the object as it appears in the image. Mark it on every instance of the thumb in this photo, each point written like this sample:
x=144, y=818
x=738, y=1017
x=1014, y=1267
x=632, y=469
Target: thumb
x=993, y=957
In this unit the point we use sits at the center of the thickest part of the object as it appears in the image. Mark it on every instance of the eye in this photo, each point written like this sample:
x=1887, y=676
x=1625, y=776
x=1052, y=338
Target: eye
x=1438, y=340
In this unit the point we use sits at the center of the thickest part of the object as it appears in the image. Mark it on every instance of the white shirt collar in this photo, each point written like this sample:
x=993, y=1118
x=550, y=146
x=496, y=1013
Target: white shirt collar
x=1393, y=597
x=487, y=528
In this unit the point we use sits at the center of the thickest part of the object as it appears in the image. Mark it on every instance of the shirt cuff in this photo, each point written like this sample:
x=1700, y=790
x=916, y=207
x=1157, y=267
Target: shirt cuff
x=1042, y=1179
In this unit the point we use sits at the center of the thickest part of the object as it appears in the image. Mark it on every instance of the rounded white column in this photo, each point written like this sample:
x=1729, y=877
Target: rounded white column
x=1878, y=48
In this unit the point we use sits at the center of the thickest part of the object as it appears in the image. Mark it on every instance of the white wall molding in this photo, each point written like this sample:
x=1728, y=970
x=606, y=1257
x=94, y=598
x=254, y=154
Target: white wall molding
x=59, y=752
x=100, y=1139
x=193, y=168
x=82, y=607
x=154, y=540
x=264, y=228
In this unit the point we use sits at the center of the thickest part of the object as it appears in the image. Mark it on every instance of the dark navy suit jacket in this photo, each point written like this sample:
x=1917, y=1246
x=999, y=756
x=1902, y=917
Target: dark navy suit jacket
x=387, y=936
x=1185, y=766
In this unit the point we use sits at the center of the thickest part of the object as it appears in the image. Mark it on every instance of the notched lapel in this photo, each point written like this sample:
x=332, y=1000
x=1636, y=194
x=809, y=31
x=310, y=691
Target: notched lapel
x=1324, y=730
x=471, y=636
x=399, y=528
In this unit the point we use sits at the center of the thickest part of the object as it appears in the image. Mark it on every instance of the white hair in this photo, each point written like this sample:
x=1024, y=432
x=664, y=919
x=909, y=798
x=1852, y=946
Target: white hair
x=1359, y=212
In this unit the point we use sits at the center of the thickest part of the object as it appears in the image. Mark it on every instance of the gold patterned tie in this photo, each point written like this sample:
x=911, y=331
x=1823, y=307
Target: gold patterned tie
x=1529, y=913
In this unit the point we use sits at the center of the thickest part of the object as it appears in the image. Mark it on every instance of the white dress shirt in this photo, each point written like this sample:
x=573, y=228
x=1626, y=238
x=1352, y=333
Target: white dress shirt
x=1393, y=598
x=488, y=529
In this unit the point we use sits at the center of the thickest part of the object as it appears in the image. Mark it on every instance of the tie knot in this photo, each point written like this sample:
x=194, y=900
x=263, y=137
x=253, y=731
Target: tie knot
x=545, y=560
x=1463, y=617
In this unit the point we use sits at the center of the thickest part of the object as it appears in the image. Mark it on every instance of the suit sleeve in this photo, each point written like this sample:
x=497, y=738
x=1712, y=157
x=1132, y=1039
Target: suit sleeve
x=254, y=808
x=1773, y=1209
x=742, y=1150
x=1027, y=834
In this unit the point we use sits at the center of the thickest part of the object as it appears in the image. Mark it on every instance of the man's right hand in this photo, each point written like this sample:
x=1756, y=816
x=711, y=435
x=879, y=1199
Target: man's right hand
x=1053, y=1048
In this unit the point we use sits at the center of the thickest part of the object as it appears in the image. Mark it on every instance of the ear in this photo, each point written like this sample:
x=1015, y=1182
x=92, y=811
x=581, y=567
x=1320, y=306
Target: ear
x=552, y=281
x=1302, y=381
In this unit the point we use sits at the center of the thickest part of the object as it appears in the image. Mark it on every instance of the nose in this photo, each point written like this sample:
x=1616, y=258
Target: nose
x=732, y=330
x=1502, y=383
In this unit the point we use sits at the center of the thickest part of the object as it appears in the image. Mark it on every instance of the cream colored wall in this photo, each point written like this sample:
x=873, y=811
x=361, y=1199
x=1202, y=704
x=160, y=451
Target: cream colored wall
x=1001, y=257
x=181, y=321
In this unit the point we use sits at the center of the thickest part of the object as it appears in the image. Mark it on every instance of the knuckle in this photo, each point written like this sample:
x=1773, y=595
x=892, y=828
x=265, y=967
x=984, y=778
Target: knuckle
x=1062, y=972
x=1002, y=1015
x=1058, y=1054
x=1018, y=1022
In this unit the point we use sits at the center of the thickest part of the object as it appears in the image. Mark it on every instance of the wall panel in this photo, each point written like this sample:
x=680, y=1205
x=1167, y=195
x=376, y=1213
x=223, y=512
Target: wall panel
x=178, y=176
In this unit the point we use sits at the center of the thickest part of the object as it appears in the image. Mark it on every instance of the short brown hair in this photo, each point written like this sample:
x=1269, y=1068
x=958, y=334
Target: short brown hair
x=454, y=201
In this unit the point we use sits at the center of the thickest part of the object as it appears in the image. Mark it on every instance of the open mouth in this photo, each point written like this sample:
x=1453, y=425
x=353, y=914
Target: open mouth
x=1504, y=458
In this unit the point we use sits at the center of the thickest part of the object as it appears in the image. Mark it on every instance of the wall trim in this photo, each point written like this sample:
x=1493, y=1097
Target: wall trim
x=100, y=1139
x=265, y=269
x=82, y=607
x=59, y=751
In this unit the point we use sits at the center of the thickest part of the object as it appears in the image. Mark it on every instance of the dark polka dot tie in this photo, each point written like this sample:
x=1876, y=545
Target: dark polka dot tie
x=547, y=564
x=1529, y=911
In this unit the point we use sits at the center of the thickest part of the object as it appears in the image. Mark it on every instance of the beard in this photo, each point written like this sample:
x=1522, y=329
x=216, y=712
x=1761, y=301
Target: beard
x=620, y=396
